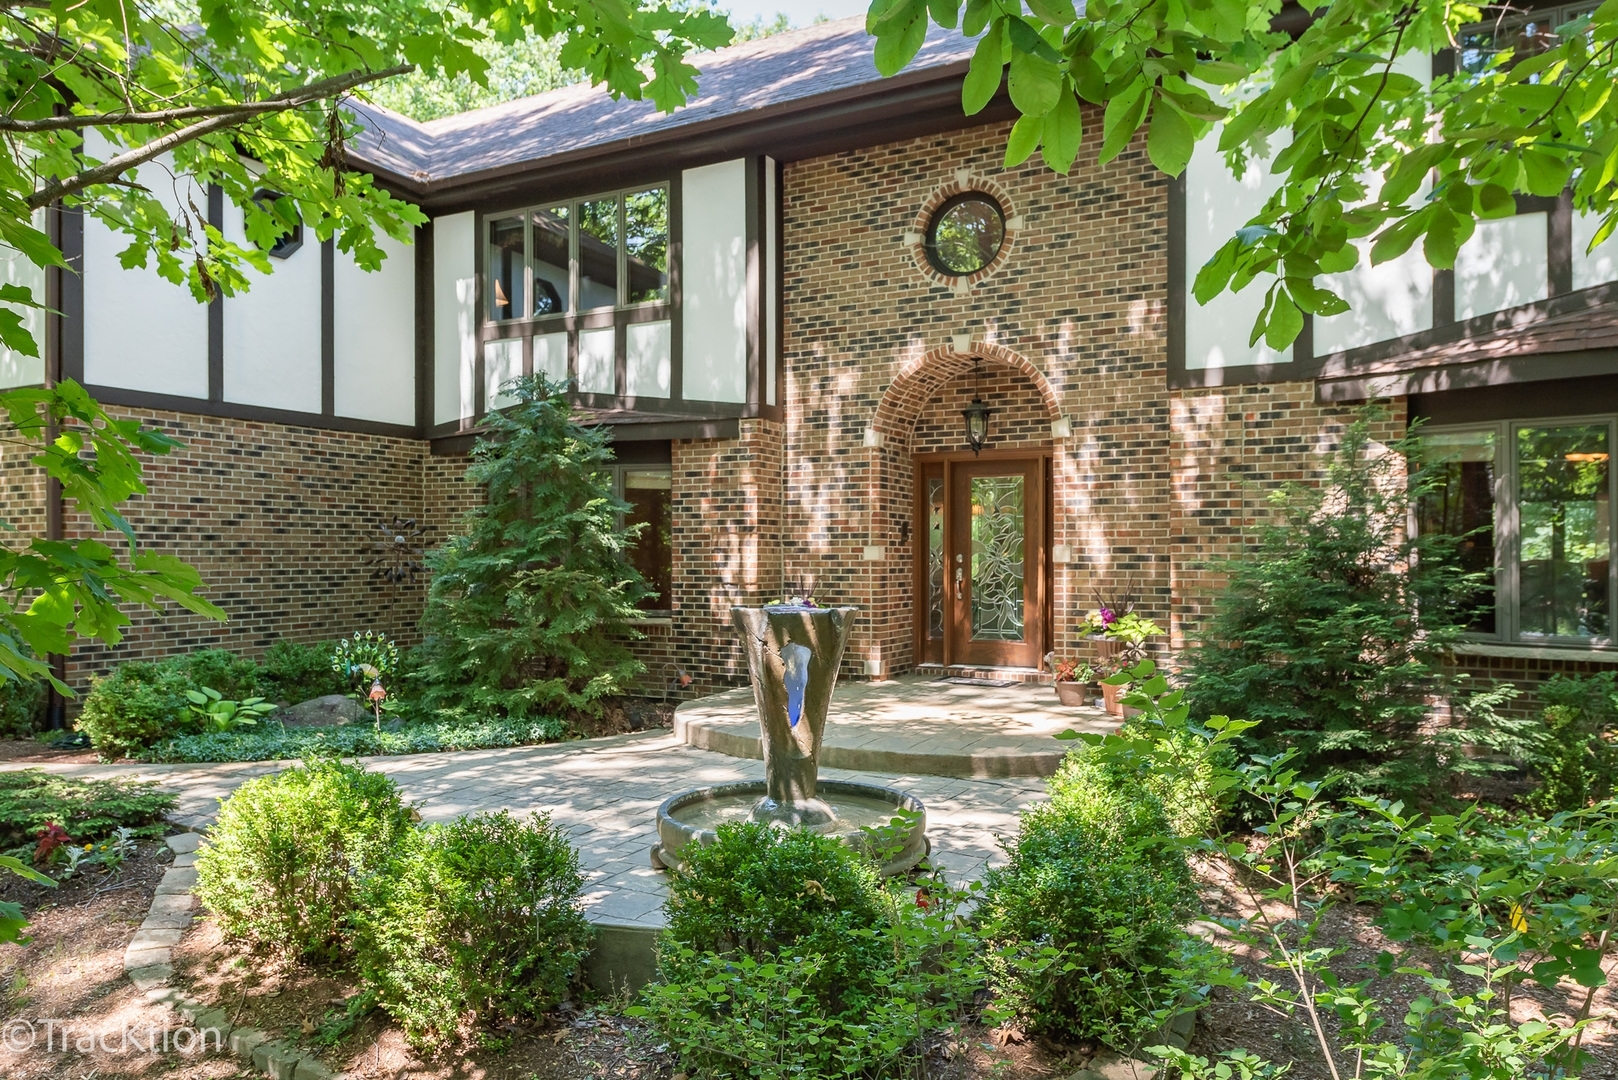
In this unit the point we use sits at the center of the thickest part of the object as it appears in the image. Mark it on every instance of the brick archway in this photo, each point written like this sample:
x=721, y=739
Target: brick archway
x=921, y=378
x=890, y=596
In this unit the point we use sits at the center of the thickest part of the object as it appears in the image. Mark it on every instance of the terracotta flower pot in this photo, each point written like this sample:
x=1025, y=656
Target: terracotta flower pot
x=1070, y=693
x=1106, y=647
x=1111, y=694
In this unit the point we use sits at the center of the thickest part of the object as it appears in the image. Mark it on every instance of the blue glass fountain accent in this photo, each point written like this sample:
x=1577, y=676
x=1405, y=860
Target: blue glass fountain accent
x=796, y=658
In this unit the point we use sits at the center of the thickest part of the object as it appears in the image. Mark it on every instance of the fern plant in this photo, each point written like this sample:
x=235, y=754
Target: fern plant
x=529, y=607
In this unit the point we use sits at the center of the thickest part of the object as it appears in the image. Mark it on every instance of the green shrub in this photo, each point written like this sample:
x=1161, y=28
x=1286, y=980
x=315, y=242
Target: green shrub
x=1084, y=922
x=235, y=677
x=22, y=704
x=528, y=613
x=87, y=809
x=1570, y=753
x=283, y=865
x=135, y=706
x=293, y=672
x=1334, y=625
x=784, y=957
x=479, y=916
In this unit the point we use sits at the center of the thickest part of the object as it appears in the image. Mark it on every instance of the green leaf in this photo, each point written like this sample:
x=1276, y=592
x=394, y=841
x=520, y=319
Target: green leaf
x=1035, y=83
x=1122, y=119
x=944, y=12
x=984, y=75
x=1545, y=174
x=1063, y=131
x=1169, y=140
x=1024, y=140
x=1056, y=12
x=1495, y=201
x=23, y=870
x=1396, y=239
x=899, y=41
x=1285, y=323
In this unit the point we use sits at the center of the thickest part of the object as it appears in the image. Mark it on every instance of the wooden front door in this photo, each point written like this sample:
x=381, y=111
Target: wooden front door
x=981, y=560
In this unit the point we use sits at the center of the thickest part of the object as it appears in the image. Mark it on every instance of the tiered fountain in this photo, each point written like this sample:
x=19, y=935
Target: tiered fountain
x=793, y=653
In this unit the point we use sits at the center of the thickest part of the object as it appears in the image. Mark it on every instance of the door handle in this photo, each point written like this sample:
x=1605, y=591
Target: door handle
x=957, y=583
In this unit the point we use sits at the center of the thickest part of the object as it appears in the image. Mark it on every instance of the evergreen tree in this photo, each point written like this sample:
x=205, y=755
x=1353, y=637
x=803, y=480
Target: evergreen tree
x=1333, y=627
x=527, y=614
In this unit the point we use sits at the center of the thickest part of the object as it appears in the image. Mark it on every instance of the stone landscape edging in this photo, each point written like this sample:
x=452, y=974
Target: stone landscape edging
x=148, y=961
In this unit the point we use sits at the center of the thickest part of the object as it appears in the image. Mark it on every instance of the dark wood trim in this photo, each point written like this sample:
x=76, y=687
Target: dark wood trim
x=1344, y=363
x=452, y=446
x=676, y=286
x=1544, y=399
x=140, y=399
x=1443, y=299
x=216, y=307
x=1536, y=367
x=328, y=328
x=778, y=298
x=1559, y=246
x=425, y=373
x=72, y=308
x=1177, y=297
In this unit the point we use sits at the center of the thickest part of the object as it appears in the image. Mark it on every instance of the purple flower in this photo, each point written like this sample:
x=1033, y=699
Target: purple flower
x=1107, y=617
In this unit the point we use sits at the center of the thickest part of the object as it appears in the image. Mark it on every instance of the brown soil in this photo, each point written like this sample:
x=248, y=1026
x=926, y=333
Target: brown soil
x=69, y=1011
x=621, y=715
x=36, y=752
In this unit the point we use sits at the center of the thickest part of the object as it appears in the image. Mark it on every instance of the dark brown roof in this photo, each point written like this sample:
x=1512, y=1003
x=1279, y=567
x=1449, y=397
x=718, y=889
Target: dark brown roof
x=795, y=71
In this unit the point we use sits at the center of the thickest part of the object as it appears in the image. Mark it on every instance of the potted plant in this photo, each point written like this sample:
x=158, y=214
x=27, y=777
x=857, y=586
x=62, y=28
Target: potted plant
x=1072, y=680
x=1121, y=634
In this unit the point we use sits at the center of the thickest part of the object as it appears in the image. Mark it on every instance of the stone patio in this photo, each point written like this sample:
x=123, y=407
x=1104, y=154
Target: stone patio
x=974, y=755
x=914, y=724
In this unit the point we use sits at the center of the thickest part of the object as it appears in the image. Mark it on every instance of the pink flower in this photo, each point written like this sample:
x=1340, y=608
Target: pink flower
x=1107, y=617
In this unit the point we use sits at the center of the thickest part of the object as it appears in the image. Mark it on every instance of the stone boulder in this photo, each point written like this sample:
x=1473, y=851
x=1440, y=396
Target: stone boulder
x=328, y=711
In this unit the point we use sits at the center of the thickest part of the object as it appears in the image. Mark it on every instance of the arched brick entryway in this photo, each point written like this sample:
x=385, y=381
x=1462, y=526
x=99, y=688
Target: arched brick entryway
x=919, y=411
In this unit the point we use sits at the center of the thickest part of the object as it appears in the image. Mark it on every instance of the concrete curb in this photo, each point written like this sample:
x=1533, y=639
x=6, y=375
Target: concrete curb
x=148, y=963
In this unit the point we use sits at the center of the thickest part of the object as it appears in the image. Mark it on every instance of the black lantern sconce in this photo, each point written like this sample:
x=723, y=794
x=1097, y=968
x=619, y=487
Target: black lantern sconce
x=977, y=414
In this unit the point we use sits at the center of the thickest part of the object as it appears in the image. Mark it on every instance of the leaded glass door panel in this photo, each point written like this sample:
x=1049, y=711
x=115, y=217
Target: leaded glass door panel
x=994, y=563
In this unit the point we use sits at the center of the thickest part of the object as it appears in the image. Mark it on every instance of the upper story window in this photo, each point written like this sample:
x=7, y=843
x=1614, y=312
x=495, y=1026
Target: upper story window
x=594, y=254
x=1534, y=501
x=1525, y=32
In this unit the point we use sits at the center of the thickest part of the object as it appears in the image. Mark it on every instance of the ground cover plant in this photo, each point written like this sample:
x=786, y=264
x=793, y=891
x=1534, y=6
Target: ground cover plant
x=268, y=741
x=476, y=918
x=529, y=608
x=87, y=810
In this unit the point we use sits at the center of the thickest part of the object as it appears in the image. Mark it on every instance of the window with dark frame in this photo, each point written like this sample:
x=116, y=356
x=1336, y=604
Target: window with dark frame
x=1534, y=501
x=649, y=491
x=593, y=273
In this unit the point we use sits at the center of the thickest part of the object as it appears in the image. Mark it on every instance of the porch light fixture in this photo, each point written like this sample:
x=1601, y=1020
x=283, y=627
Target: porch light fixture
x=977, y=414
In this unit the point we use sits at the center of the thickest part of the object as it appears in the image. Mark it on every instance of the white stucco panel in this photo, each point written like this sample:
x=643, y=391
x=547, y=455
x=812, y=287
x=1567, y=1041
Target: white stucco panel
x=272, y=331
x=18, y=368
x=455, y=321
x=713, y=266
x=374, y=335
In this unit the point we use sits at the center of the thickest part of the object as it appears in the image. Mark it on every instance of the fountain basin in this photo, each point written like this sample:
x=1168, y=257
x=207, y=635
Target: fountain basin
x=695, y=816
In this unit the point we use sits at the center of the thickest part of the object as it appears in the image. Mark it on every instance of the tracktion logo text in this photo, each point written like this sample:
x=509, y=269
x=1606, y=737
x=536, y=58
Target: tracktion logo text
x=21, y=1036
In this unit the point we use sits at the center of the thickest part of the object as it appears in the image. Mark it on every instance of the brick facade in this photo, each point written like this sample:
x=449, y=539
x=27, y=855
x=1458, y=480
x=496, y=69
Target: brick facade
x=1068, y=327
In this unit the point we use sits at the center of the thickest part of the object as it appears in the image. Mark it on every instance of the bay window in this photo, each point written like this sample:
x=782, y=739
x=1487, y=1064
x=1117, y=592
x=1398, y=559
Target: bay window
x=1534, y=502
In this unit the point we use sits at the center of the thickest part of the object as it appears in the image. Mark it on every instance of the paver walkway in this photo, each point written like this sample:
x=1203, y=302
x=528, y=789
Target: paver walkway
x=605, y=792
x=913, y=724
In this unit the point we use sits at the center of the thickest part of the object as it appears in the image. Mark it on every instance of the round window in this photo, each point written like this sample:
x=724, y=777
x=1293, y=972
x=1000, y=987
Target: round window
x=965, y=234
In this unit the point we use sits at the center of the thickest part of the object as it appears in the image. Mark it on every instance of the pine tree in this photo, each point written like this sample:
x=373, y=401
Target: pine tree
x=1334, y=625
x=528, y=610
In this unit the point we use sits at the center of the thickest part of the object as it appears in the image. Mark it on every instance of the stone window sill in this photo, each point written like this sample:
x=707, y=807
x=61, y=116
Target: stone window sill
x=1538, y=652
x=653, y=620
